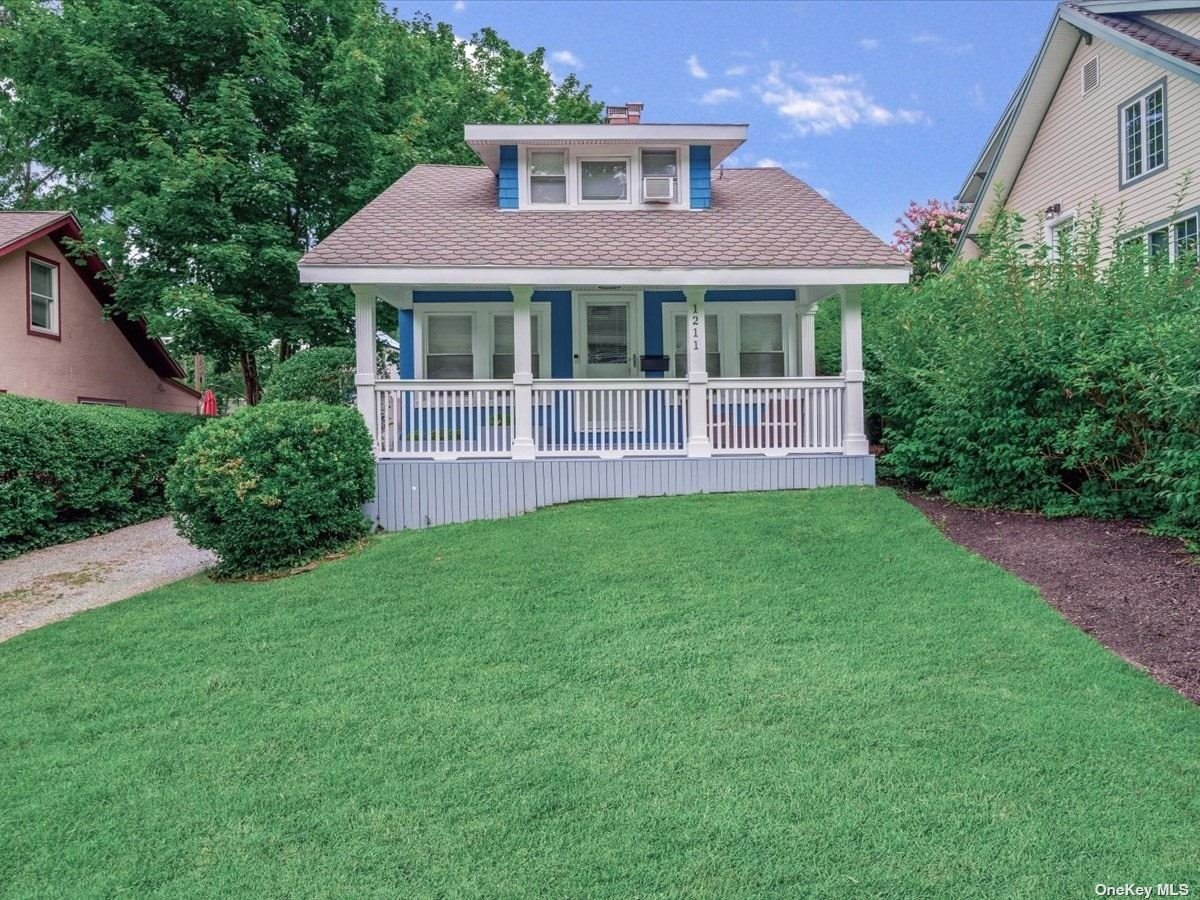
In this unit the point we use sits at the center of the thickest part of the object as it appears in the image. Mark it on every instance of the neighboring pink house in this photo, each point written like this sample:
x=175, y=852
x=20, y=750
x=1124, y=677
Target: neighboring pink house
x=56, y=340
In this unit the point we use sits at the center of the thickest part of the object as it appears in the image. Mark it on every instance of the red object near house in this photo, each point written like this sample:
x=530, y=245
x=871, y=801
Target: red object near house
x=208, y=403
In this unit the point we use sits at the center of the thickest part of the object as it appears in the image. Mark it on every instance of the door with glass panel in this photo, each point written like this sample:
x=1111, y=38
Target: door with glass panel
x=607, y=345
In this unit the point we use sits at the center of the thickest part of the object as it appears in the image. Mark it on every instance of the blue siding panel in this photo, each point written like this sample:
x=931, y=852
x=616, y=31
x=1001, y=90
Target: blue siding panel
x=508, y=182
x=561, y=336
x=406, y=365
x=700, y=175
x=462, y=296
x=652, y=326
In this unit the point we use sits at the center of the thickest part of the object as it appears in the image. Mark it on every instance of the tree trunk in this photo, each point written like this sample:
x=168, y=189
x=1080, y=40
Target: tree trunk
x=250, y=379
x=198, y=371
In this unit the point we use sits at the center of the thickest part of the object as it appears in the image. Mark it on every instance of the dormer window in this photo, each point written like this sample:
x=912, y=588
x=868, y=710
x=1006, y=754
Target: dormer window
x=604, y=179
x=660, y=165
x=547, y=176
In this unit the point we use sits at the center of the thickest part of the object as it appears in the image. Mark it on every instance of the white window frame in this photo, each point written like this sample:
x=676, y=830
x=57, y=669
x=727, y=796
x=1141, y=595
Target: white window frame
x=528, y=177
x=642, y=151
x=1124, y=179
x=483, y=332
x=1174, y=238
x=729, y=335
x=576, y=153
x=1050, y=230
x=53, y=329
x=606, y=201
x=537, y=317
x=637, y=337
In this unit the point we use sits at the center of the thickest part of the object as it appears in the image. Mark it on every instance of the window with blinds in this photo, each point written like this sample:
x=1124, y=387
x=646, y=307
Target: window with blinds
x=608, y=334
x=760, y=345
x=449, y=347
x=503, y=358
x=712, y=355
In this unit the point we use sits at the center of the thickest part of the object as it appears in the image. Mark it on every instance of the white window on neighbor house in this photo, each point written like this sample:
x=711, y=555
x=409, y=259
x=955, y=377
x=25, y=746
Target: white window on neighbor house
x=760, y=345
x=712, y=345
x=1060, y=233
x=449, y=346
x=547, y=176
x=503, y=358
x=43, y=296
x=1144, y=134
x=1158, y=242
x=1184, y=235
x=603, y=179
x=660, y=165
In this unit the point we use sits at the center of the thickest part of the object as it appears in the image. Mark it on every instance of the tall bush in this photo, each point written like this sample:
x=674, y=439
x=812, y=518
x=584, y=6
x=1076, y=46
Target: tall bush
x=67, y=471
x=275, y=485
x=1045, y=380
x=320, y=375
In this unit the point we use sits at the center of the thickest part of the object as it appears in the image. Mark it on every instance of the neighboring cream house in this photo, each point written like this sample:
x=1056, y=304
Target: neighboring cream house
x=56, y=341
x=1108, y=113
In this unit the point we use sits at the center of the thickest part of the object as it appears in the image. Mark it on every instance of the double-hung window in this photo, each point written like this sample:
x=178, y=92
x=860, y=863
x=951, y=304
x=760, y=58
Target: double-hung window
x=1185, y=235
x=449, y=346
x=503, y=356
x=547, y=176
x=43, y=296
x=760, y=345
x=1159, y=243
x=661, y=164
x=603, y=179
x=1144, y=134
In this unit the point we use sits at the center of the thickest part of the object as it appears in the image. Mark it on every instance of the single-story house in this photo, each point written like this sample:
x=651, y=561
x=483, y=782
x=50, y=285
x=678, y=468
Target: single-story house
x=59, y=339
x=603, y=310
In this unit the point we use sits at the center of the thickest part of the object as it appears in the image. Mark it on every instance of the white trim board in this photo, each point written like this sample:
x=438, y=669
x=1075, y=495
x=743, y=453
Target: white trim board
x=600, y=276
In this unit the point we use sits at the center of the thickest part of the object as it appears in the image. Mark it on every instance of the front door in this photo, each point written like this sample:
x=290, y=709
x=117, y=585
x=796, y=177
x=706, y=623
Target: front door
x=607, y=337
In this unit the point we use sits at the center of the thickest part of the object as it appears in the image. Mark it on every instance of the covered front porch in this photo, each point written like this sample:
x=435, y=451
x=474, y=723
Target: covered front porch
x=602, y=372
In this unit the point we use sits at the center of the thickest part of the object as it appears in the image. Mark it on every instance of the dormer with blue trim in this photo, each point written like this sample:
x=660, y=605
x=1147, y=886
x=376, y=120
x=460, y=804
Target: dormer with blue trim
x=624, y=164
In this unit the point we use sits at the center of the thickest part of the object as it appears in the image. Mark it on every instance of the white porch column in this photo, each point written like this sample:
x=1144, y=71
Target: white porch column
x=364, y=355
x=808, y=339
x=854, y=437
x=698, y=443
x=523, y=446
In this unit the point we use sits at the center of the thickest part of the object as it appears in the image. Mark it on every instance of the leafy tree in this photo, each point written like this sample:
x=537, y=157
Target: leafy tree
x=209, y=143
x=928, y=234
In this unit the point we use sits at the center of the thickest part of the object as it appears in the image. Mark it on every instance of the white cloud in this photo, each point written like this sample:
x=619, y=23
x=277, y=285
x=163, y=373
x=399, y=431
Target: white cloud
x=734, y=71
x=567, y=58
x=767, y=163
x=976, y=98
x=929, y=39
x=821, y=104
x=925, y=37
x=460, y=5
x=694, y=68
x=869, y=43
x=720, y=95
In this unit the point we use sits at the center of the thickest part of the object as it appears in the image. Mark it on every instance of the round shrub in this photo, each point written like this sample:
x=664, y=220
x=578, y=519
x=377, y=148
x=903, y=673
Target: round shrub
x=274, y=485
x=319, y=375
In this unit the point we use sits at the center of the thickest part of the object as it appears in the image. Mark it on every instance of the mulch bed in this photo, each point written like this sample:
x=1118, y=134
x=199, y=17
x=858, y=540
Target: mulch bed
x=1138, y=595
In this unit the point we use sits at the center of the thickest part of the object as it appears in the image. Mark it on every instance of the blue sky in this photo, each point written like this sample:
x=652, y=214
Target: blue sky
x=874, y=103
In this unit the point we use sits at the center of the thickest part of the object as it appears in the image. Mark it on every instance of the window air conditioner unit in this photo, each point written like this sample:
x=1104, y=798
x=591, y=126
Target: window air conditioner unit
x=658, y=189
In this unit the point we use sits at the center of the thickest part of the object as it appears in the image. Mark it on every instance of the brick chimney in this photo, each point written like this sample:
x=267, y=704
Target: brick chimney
x=629, y=114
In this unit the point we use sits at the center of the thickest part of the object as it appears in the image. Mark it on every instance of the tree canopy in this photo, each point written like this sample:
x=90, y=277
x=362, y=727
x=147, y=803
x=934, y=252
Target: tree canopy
x=206, y=144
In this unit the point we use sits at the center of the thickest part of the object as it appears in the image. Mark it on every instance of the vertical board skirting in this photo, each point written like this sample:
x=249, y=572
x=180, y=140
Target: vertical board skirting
x=417, y=493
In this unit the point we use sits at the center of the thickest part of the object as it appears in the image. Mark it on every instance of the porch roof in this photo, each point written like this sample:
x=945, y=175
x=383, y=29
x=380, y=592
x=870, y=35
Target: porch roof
x=438, y=218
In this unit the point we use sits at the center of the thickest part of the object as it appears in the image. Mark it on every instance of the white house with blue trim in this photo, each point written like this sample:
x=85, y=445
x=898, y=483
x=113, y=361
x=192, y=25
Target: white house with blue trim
x=603, y=310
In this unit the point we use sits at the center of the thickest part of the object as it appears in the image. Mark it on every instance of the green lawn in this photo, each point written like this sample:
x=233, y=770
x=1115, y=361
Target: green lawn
x=756, y=695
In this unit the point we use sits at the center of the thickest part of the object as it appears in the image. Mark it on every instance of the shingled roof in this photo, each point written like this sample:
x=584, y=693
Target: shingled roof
x=1145, y=31
x=448, y=216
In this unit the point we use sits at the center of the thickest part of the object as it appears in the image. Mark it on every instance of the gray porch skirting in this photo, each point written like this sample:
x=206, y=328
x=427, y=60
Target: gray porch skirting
x=418, y=493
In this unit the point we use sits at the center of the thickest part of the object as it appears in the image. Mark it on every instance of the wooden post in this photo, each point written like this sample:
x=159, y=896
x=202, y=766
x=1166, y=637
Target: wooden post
x=364, y=355
x=698, y=444
x=854, y=438
x=523, y=446
x=808, y=341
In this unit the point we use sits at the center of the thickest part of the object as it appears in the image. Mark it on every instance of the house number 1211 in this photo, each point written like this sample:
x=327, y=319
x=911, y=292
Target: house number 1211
x=695, y=326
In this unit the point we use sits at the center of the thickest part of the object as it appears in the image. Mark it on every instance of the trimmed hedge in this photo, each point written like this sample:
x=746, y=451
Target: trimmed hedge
x=319, y=375
x=68, y=472
x=275, y=485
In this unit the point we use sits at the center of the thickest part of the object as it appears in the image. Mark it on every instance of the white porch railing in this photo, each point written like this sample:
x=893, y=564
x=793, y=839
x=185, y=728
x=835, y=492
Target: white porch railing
x=775, y=416
x=444, y=419
x=627, y=417
x=609, y=418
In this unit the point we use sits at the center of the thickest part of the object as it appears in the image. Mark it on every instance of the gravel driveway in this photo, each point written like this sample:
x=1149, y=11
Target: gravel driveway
x=51, y=584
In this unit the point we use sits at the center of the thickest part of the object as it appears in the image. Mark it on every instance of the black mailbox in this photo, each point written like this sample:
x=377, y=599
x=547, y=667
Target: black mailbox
x=656, y=363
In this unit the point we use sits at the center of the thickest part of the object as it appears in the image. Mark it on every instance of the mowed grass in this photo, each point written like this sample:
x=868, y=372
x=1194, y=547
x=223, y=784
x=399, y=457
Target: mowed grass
x=771, y=695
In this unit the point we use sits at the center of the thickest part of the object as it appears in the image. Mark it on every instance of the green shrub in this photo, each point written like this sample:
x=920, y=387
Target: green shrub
x=67, y=472
x=319, y=375
x=1068, y=386
x=274, y=485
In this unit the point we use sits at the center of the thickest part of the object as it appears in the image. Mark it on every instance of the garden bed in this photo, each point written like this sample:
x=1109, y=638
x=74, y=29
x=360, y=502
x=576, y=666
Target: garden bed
x=1137, y=594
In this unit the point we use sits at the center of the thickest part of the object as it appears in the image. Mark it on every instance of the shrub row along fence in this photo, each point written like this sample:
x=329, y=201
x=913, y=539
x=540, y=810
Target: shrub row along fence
x=67, y=472
x=1068, y=384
